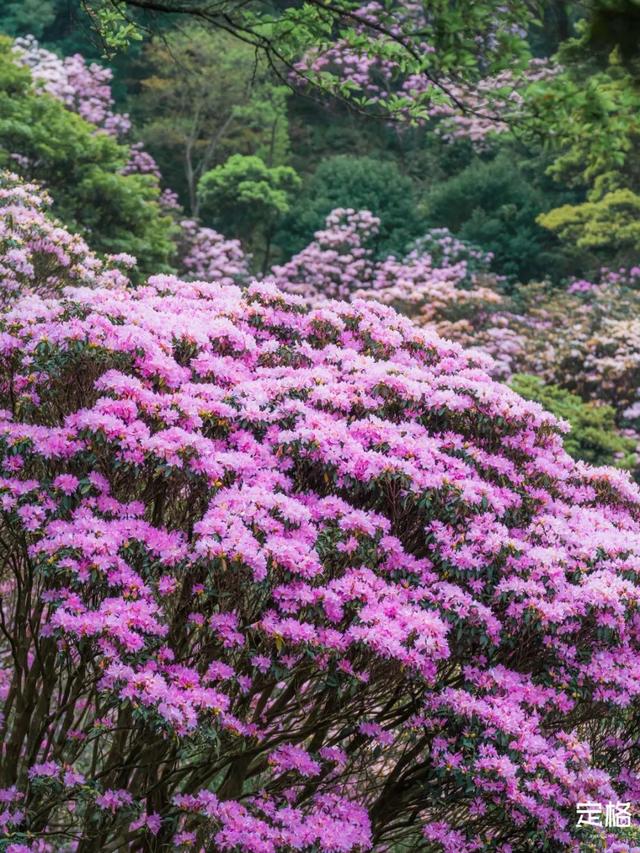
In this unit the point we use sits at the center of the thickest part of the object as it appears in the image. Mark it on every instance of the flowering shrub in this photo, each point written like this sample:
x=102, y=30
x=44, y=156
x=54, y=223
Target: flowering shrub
x=208, y=256
x=37, y=254
x=438, y=282
x=445, y=249
x=337, y=262
x=285, y=579
x=584, y=337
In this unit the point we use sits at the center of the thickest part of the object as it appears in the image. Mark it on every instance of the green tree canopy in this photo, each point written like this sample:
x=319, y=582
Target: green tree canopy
x=494, y=204
x=206, y=98
x=247, y=198
x=22, y=17
x=588, y=116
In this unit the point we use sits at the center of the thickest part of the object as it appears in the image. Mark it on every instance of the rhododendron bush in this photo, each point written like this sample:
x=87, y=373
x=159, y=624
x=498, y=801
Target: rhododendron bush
x=85, y=88
x=37, y=254
x=285, y=578
x=440, y=280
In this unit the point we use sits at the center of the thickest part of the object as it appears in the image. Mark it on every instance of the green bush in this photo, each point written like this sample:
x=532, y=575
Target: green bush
x=246, y=199
x=594, y=436
x=495, y=204
x=23, y=17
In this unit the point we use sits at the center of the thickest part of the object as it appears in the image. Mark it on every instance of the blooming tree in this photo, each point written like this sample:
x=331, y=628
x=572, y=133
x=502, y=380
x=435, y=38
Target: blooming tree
x=278, y=578
x=208, y=256
x=83, y=87
x=476, y=109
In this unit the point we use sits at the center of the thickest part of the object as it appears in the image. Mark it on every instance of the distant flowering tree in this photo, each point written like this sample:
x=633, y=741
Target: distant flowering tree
x=83, y=87
x=337, y=262
x=278, y=578
x=208, y=256
x=584, y=337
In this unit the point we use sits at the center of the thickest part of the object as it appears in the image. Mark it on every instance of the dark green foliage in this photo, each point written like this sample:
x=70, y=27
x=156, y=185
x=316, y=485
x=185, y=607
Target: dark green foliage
x=204, y=99
x=22, y=17
x=61, y=25
x=363, y=183
x=81, y=169
x=615, y=24
x=594, y=436
x=494, y=204
x=246, y=198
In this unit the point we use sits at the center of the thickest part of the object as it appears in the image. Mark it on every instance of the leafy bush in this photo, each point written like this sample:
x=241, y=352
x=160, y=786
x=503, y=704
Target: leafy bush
x=247, y=199
x=495, y=204
x=608, y=225
x=594, y=436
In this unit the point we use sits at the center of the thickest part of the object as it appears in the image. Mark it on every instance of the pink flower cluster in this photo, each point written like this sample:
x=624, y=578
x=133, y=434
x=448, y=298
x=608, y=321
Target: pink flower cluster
x=142, y=163
x=38, y=255
x=83, y=87
x=208, y=256
x=439, y=281
x=288, y=578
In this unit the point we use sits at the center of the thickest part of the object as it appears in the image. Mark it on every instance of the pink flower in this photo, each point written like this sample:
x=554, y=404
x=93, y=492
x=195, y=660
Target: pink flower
x=290, y=757
x=114, y=800
x=66, y=483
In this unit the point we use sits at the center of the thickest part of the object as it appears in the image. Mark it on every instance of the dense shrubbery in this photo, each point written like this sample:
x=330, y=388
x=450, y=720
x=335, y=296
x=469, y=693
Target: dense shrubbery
x=593, y=436
x=495, y=204
x=286, y=579
x=362, y=183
